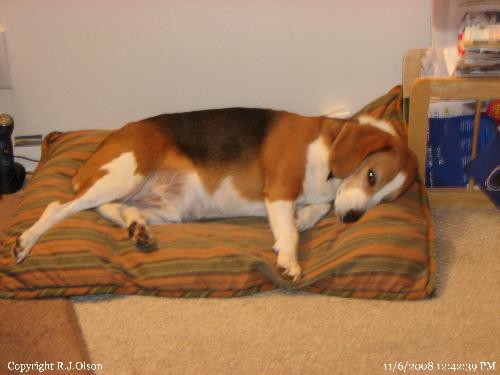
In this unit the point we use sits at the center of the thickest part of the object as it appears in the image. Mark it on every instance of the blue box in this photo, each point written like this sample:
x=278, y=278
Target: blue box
x=449, y=148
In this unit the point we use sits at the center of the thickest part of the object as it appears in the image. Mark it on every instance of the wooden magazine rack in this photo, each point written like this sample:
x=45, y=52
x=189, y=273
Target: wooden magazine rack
x=420, y=91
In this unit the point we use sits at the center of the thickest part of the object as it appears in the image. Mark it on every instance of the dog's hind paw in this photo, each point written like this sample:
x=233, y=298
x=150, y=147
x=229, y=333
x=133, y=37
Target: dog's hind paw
x=141, y=237
x=20, y=250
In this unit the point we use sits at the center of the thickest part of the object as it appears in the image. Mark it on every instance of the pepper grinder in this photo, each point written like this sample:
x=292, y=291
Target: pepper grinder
x=12, y=174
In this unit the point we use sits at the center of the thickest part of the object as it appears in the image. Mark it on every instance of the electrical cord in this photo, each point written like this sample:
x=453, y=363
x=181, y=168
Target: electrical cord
x=26, y=158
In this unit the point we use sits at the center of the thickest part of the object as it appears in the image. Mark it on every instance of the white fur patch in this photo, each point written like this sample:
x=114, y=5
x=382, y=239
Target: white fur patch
x=392, y=186
x=228, y=202
x=173, y=196
x=377, y=123
x=316, y=188
x=351, y=199
x=309, y=215
x=282, y=220
x=117, y=183
x=281, y=216
x=113, y=212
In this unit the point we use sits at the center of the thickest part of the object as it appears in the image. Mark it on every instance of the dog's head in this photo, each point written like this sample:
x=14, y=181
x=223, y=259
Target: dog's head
x=374, y=163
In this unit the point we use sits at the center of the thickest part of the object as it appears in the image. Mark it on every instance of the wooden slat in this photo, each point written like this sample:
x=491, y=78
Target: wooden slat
x=445, y=88
x=475, y=137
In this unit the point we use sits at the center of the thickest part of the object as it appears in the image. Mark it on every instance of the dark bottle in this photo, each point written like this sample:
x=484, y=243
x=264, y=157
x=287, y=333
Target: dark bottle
x=11, y=173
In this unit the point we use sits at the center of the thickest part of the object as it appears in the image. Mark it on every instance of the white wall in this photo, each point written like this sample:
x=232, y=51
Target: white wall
x=98, y=64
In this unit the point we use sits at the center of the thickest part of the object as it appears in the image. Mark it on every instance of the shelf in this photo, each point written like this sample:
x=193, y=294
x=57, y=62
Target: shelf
x=420, y=91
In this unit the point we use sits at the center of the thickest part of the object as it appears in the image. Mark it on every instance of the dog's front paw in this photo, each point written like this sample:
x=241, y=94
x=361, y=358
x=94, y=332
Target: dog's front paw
x=141, y=237
x=289, y=265
x=309, y=215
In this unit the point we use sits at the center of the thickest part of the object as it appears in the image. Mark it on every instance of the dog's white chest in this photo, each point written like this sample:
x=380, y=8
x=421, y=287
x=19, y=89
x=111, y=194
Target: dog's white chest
x=316, y=187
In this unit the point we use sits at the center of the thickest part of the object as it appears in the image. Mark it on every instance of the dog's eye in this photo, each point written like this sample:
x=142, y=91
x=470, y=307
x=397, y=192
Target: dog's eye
x=372, y=177
x=330, y=176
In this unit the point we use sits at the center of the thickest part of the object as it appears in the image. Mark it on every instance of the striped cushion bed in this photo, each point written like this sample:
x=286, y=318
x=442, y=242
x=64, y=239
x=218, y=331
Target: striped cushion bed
x=387, y=254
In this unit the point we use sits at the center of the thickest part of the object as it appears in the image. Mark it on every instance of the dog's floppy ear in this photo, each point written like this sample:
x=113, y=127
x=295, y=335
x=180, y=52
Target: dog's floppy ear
x=353, y=144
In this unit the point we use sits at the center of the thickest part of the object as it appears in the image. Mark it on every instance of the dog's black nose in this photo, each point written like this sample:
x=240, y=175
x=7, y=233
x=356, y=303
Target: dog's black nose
x=352, y=216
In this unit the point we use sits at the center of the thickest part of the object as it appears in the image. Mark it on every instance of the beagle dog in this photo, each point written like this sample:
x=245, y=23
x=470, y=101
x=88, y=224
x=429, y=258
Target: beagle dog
x=237, y=162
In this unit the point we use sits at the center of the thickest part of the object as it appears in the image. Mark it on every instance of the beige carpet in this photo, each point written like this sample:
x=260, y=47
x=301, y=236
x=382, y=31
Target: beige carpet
x=281, y=333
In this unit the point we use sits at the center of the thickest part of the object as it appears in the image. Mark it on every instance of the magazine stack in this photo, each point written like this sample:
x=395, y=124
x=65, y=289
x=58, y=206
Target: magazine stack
x=479, y=45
